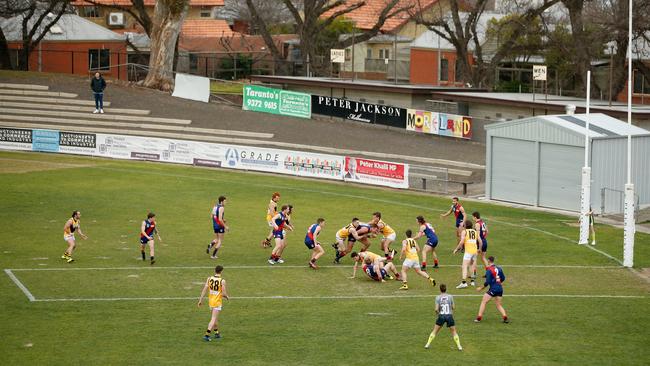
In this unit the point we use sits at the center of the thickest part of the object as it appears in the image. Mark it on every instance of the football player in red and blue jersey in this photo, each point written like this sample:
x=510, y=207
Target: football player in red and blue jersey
x=219, y=226
x=459, y=213
x=147, y=229
x=279, y=223
x=481, y=228
x=311, y=241
x=494, y=278
x=432, y=242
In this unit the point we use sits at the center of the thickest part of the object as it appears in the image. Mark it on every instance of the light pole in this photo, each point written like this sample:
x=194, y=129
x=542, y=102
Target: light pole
x=611, y=67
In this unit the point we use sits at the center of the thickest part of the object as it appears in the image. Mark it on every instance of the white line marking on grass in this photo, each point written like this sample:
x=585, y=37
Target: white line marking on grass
x=280, y=297
x=20, y=285
x=356, y=196
x=289, y=267
x=40, y=258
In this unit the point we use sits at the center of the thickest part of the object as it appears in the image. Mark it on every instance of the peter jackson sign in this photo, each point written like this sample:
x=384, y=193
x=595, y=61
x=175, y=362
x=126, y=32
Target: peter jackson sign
x=358, y=111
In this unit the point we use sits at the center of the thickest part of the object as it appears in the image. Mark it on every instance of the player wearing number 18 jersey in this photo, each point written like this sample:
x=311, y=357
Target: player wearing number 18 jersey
x=445, y=307
x=470, y=240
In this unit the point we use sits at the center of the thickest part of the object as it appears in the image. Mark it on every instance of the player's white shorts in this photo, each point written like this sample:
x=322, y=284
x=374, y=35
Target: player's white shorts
x=409, y=263
x=469, y=256
x=217, y=308
x=390, y=237
x=68, y=237
x=270, y=223
x=339, y=240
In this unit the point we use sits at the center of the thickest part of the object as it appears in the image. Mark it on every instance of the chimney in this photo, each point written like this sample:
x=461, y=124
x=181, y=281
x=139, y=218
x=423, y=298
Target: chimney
x=570, y=109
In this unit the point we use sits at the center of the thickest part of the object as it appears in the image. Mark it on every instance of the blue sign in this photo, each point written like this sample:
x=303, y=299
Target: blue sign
x=45, y=140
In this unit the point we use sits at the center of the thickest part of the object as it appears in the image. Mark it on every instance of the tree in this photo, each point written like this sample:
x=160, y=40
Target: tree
x=167, y=22
x=313, y=17
x=36, y=19
x=460, y=28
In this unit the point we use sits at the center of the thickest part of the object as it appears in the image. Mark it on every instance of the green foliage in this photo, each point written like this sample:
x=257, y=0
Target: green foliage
x=329, y=37
x=331, y=319
x=527, y=44
x=242, y=69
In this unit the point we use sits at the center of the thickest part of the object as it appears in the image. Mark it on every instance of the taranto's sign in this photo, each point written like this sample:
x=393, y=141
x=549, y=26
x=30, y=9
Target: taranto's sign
x=276, y=101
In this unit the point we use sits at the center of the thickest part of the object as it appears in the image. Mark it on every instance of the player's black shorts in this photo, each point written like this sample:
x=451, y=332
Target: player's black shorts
x=495, y=293
x=442, y=319
x=144, y=240
x=310, y=244
x=484, y=246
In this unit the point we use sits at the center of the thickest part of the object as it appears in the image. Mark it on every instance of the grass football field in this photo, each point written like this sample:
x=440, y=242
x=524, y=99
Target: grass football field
x=568, y=304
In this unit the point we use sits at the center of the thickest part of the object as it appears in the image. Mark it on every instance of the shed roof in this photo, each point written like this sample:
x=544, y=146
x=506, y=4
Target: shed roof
x=70, y=27
x=600, y=125
x=366, y=16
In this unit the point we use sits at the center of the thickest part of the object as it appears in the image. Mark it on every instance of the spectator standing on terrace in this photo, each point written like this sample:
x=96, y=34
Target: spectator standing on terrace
x=98, y=84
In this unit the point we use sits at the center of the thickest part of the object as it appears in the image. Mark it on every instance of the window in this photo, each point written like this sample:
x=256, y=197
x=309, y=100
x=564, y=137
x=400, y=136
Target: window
x=90, y=11
x=641, y=86
x=348, y=54
x=194, y=63
x=386, y=53
x=457, y=74
x=205, y=12
x=369, y=53
x=99, y=59
x=381, y=53
x=444, y=70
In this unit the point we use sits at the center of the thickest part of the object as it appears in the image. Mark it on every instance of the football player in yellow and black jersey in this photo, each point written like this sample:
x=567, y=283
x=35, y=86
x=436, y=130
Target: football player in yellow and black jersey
x=271, y=211
x=69, y=228
x=471, y=241
x=410, y=250
x=217, y=292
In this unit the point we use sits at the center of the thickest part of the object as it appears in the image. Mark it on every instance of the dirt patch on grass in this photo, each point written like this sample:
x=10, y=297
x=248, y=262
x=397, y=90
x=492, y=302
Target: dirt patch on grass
x=18, y=166
x=645, y=272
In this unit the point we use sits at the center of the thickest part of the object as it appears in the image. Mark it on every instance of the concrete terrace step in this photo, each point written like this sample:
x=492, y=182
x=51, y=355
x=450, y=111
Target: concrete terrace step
x=38, y=93
x=91, y=116
x=64, y=101
x=27, y=121
x=24, y=86
x=249, y=142
x=73, y=108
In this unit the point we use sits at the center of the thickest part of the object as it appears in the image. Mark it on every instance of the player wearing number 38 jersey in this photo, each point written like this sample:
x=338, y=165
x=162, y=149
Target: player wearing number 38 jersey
x=217, y=292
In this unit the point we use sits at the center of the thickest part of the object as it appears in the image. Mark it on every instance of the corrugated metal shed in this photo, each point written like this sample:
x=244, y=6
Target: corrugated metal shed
x=609, y=172
x=538, y=160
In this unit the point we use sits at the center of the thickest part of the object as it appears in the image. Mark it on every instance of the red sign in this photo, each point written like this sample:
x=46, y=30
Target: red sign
x=376, y=172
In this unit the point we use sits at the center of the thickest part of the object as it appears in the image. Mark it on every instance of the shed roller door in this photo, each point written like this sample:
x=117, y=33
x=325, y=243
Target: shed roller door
x=560, y=174
x=513, y=171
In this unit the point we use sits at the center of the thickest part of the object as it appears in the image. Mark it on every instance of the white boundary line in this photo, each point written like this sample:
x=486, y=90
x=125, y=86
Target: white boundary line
x=20, y=285
x=285, y=266
x=343, y=297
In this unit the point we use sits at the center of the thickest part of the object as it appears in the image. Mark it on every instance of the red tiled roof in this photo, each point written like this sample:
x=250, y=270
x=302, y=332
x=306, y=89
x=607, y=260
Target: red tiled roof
x=146, y=2
x=236, y=43
x=206, y=28
x=366, y=16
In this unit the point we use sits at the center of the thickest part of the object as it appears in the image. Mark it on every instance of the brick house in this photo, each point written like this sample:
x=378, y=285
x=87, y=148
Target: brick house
x=73, y=46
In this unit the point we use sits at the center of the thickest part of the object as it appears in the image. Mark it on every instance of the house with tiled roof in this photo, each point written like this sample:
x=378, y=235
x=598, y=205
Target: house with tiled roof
x=111, y=14
x=73, y=45
x=387, y=56
x=378, y=57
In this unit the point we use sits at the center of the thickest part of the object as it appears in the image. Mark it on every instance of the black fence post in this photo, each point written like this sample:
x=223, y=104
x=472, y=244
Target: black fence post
x=72, y=62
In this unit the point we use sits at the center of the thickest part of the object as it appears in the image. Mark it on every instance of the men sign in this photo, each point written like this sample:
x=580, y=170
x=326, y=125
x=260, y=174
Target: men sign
x=539, y=72
x=337, y=56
